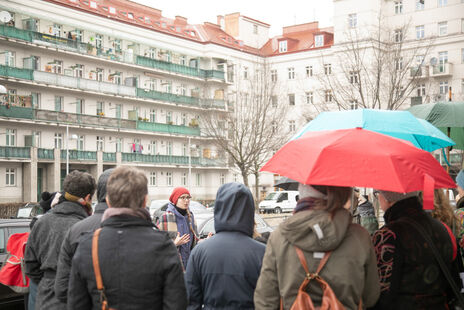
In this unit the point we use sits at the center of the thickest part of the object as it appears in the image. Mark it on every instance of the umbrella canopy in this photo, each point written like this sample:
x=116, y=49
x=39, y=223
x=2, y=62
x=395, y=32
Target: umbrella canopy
x=287, y=184
x=398, y=124
x=444, y=115
x=362, y=158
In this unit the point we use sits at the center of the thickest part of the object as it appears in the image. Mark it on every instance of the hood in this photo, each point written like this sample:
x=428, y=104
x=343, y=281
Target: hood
x=234, y=209
x=316, y=230
x=101, y=186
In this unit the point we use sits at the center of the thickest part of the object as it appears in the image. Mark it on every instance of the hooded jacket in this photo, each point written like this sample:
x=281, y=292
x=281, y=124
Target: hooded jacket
x=223, y=270
x=71, y=240
x=351, y=270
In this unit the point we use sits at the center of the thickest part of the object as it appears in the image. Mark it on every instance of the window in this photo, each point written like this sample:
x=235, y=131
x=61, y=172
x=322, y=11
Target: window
x=112, y=10
x=352, y=20
x=274, y=127
x=11, y=137
x=169, y=148
x=99, y=41
x=130, y=15
x=354, y=77
x=319, y=40
x=58, y=103
x=420, y=90
x=184, y=179
x=328, y=95
x=153, y=178
x=183, y=60
x=327, y=69
x=197, y=179
x=151, y=53
x=79, y=106
x=35, y=98
x=10, y=177
x=151, y=84
x=168, y=117
x=79, y=35
x=420, y=32
x=99, y=74
x=36, y=138
x=399, y=63
x=56, y=30
x=442, y=2
x=442, y=28
x=58, y=141
x=78, y=71
x=398, y=35
x=169, y=178
x=9, y=59
x=291, y=126
x=291, y=73
x=118, y=111
x=309, y=97
x=93, y=4
x=100, y=143
x=442, y=60
x=291, y=99
x=235, y=177
x=274, y=101
x=420, y=4
x=255, y=29
x=309, y=71
x=398, y=7
x=420, y=60
x=184, y=119
x=167, y=86
x=274, y=75
x=222, y=179
x=353, y=104
x=230, y=73
x=245, y=73
x=56, y=67
x=152, y=147
x=117, y=45
x=282, y=46
x=443, y=87
x=100, y=108
x=80, y=143
x=118, y=144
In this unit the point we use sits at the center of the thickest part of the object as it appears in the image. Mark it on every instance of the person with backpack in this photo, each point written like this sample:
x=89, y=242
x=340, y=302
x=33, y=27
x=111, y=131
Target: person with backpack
x=318, y=244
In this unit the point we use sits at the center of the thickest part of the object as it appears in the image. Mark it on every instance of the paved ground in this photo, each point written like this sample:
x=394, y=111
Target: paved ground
x=274, y=220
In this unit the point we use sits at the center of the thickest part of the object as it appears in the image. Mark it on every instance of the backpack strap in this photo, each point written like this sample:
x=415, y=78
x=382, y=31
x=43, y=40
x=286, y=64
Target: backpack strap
x=96, y=269
x=302, y=259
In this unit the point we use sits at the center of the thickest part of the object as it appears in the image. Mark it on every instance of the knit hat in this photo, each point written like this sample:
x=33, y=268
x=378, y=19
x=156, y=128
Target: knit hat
x=394, y=196
x=46, y=200
x=177, y=192
x=309, y=191
x=460, y=179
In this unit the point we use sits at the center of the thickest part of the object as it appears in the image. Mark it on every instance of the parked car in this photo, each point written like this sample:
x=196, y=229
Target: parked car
x=29, y=210
x=158, y=207
x=205, y=224
x=278, y=202
x=8, y=298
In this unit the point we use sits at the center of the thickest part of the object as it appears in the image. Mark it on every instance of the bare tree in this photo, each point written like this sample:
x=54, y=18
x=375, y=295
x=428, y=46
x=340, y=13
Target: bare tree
x=377, y=71
x=251, y=130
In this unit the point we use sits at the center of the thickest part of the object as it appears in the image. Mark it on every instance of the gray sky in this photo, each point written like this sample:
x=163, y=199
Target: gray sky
x=276, y=13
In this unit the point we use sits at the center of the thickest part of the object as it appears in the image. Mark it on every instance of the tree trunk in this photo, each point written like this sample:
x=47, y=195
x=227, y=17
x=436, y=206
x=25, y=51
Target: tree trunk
x=256, y=190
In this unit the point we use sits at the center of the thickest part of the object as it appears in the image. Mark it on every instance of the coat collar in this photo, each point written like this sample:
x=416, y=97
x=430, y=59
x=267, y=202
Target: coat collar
x=69, y=208
x=406, y=207
x=126, y=221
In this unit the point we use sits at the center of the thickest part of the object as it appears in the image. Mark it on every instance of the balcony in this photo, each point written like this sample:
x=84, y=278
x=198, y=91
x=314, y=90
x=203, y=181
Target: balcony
x=166, y=128
x=170, y=160
x=213, y=103
x=109, y=157
x=18, y=73
x=15, y=152
x=106, y=53
x=45, y=154
x=79, y=155
x=440, y=70
x=418, y=72
x=168, y=97
x=16, y=112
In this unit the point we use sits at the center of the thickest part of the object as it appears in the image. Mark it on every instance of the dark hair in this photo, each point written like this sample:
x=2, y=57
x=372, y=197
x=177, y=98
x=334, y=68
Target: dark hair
x=337, y=196
x=79, y=184
x=127, y=188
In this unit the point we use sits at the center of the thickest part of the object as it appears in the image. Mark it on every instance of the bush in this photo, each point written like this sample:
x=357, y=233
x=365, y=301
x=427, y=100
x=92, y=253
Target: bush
x=9, y=209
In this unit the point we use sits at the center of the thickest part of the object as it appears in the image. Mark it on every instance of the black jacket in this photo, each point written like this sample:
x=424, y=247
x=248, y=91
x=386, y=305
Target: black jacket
x=410, y=277
x=223, y=270
x=139, y=265
x=68, y=248
x=43, y=248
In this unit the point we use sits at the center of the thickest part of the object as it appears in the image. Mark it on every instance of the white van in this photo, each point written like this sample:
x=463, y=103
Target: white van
x=278, y=202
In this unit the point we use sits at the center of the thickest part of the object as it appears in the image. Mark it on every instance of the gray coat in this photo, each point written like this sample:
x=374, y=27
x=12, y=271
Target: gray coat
x=69, y=246
x=43, y=247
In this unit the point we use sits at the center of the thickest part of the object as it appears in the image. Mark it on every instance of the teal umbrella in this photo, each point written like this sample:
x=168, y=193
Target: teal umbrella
x=398, y=124
x=447, y=116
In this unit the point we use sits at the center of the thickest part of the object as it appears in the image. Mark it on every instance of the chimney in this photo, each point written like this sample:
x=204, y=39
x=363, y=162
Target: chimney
x=180, y=20
x=220, y=21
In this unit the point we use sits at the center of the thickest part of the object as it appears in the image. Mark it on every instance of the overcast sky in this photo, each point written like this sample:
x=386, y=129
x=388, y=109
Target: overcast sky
x=276, y=13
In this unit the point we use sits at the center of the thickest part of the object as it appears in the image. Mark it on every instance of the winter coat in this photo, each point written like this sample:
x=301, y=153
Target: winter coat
x=68, y=248
x=351, y=270
x=43, y=248
x=139, y=265
x=410, y=277
x=368, y=220
x=174, y=222
x=223, y=270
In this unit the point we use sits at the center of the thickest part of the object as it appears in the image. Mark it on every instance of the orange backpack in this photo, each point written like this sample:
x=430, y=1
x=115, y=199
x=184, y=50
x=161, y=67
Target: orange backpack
x=303, y=300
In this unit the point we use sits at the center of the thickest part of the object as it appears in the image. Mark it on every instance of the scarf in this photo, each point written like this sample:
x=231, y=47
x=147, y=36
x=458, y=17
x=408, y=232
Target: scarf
x=85, y=204
x=141, y=213
x=307, y=203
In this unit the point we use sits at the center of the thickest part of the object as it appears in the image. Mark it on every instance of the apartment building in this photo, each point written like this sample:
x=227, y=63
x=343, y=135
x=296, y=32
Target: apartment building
x=93, y=84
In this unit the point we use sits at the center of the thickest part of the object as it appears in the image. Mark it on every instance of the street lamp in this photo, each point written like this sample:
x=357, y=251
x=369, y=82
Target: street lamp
x=190, y=146
x=74, y=137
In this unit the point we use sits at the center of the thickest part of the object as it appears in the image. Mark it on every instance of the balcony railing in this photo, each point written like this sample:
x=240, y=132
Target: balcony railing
x=171, y=159
x=213, y=103
x=172, y=129
x=109, y=157
x=442, y=69
x=16, y=112
x=45, y=154
x=18, y=73
x=156, y=95
x=106, y=53
x=79, y=155
x=15, y=152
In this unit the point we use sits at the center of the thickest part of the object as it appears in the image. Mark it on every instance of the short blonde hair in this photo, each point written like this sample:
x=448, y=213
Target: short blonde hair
x=127, y=188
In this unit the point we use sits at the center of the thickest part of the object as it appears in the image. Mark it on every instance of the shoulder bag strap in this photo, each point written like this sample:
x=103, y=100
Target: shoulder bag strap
x=439, y=259
x=96, y=268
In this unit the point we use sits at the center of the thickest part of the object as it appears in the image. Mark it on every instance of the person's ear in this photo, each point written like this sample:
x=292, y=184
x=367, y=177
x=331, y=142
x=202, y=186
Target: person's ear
x=108, y=201
x=88, y=198
x=145, y=201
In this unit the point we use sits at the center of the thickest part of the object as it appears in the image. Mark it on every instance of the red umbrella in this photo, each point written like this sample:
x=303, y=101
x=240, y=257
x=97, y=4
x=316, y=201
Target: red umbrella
x=362, y=158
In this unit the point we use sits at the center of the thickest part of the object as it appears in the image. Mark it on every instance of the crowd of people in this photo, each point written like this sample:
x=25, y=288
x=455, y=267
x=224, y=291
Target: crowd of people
x=116, y=257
